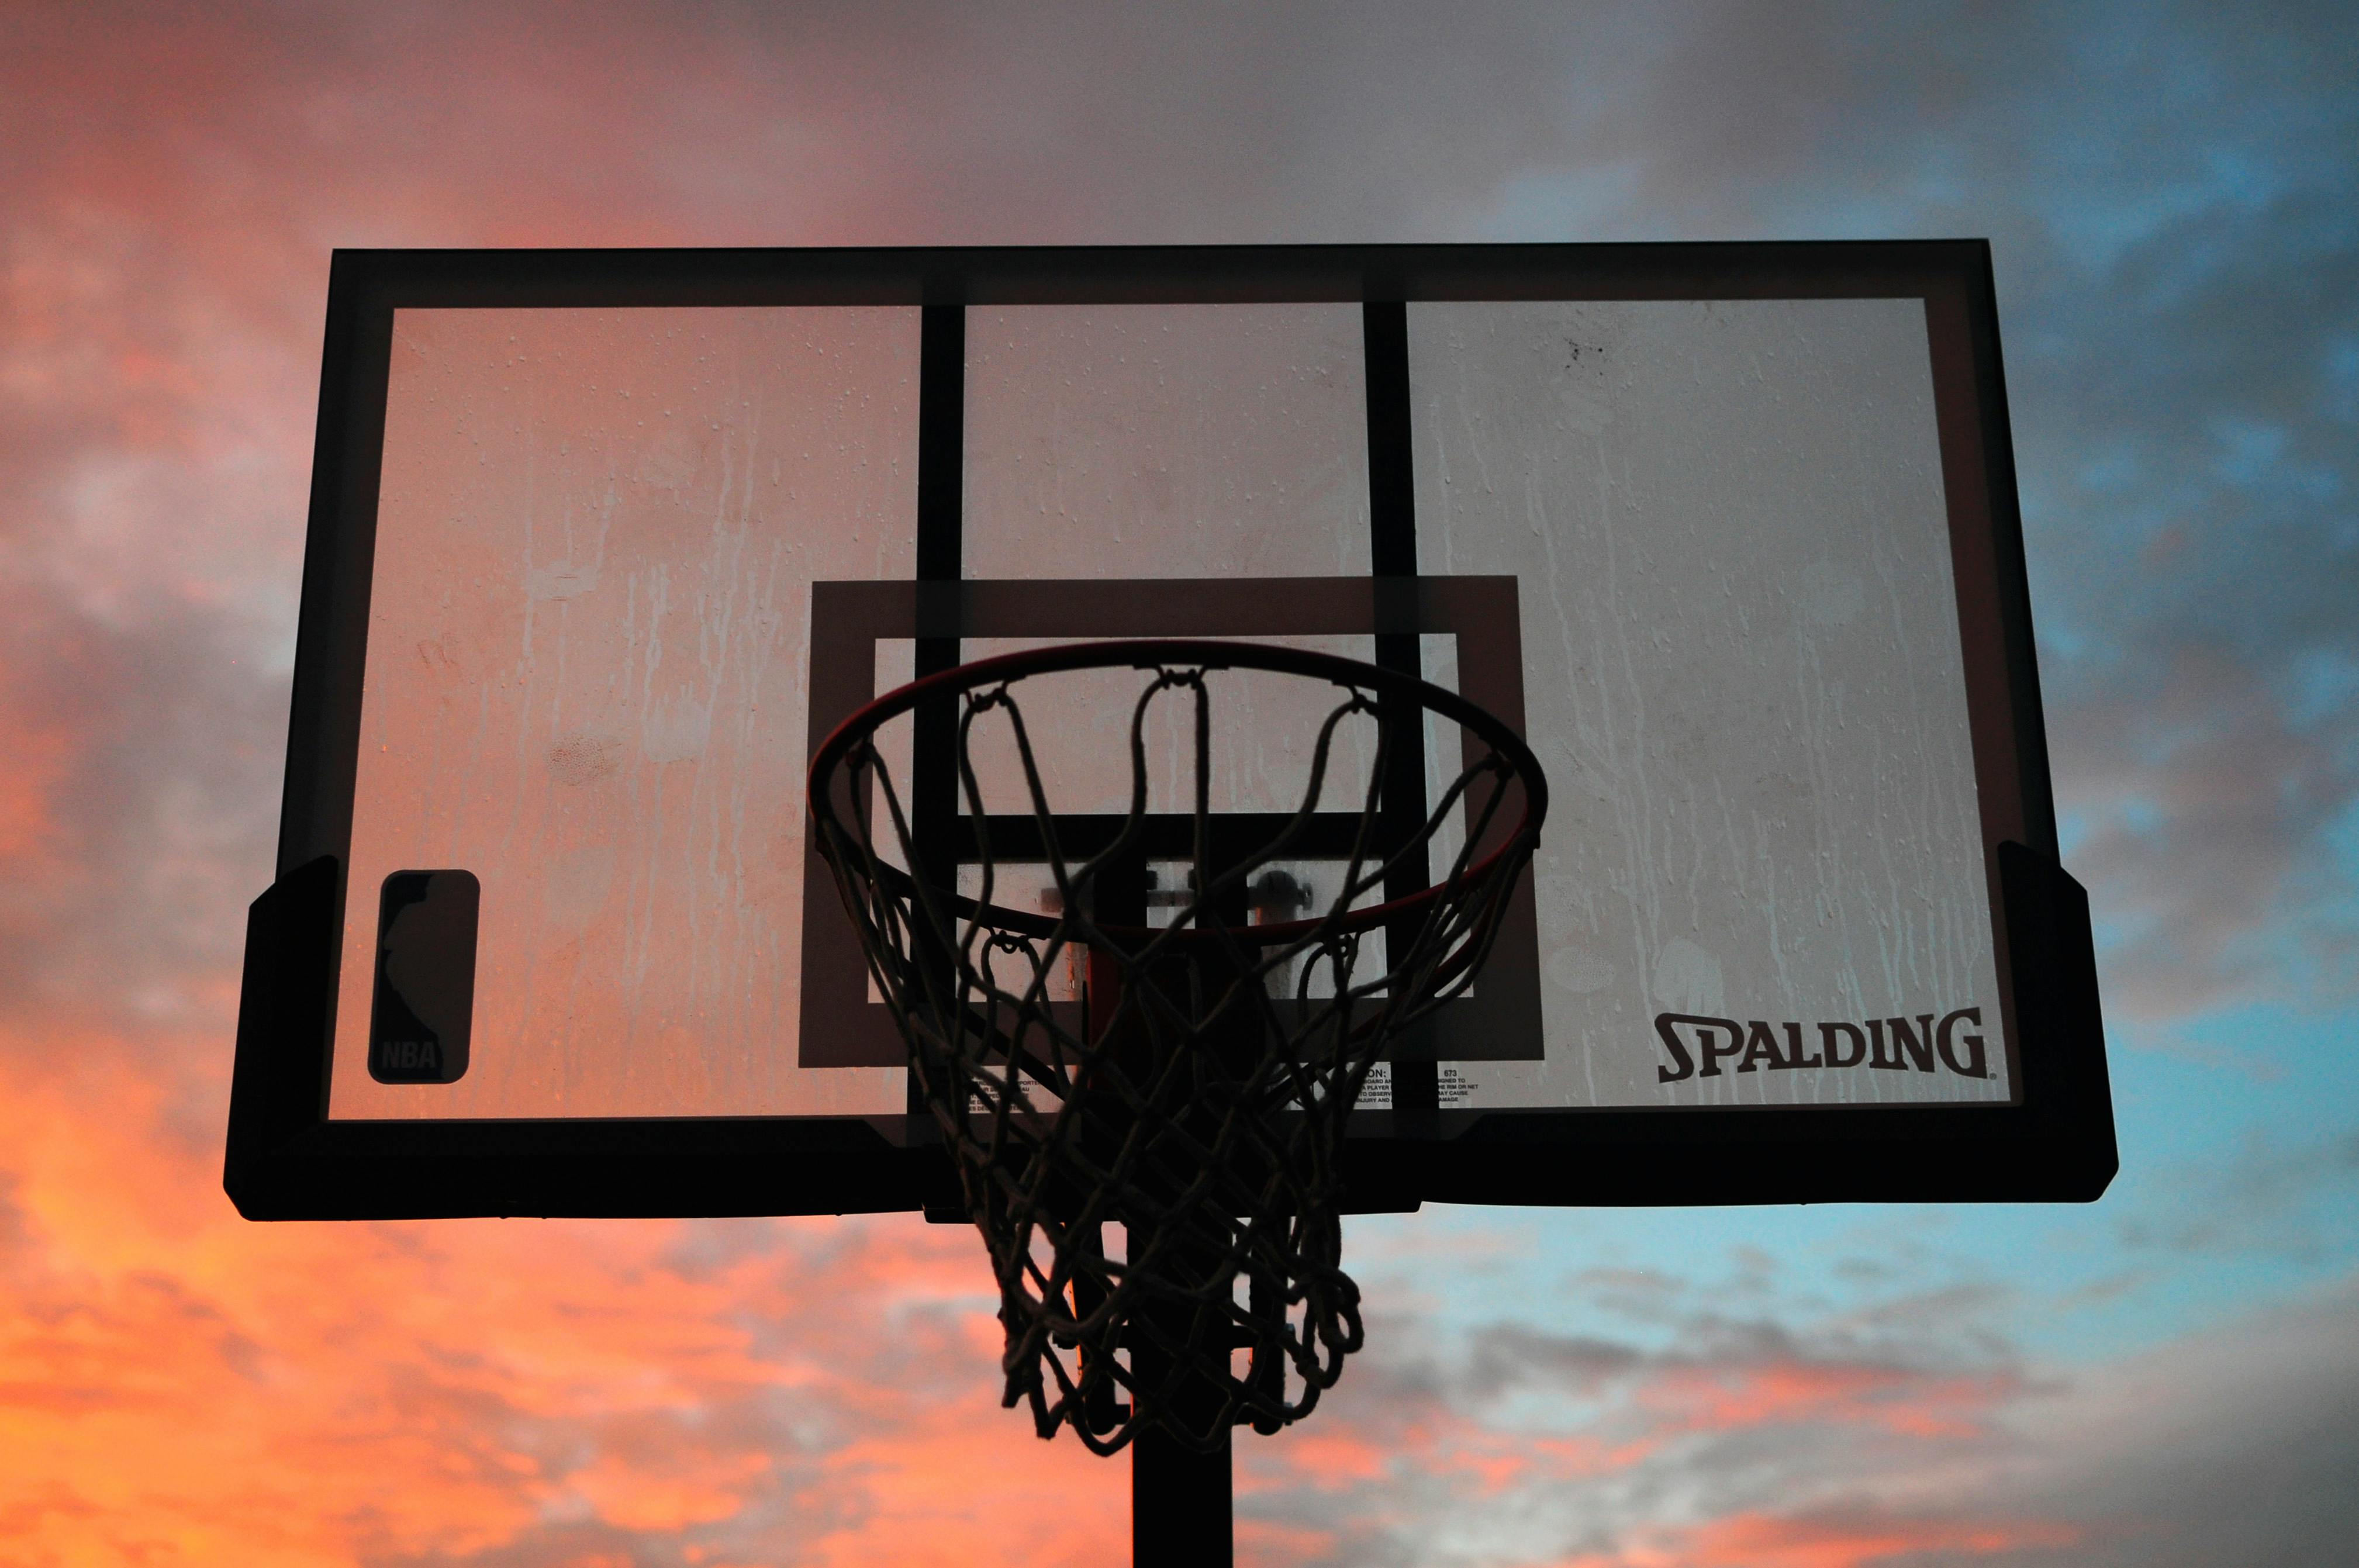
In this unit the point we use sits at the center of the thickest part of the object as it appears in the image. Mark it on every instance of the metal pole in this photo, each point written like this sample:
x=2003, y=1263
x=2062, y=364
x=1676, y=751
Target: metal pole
x=1180, y=1505
x=1180, y=1499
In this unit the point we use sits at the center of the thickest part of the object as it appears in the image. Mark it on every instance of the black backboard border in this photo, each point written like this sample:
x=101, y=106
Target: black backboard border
x=285, y=1159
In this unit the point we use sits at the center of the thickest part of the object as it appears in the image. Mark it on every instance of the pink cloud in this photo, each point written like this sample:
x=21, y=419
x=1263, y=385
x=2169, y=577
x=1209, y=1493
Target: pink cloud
x=1760, y=1541
x=1701, y=1398
x=177, y=1386
x=1769, y=1540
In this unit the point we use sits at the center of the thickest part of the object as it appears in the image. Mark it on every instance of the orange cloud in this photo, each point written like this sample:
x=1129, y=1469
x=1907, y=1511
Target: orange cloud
x=178, y=1385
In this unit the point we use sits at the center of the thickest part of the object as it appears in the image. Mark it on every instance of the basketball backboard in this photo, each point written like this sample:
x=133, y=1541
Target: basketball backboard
x=602, y=544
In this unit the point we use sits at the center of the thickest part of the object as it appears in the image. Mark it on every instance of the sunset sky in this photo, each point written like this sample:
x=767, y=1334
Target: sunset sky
x=2169, y=1377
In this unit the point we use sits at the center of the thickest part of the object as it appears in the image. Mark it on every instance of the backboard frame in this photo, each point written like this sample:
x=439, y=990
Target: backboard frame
x=288, y=1159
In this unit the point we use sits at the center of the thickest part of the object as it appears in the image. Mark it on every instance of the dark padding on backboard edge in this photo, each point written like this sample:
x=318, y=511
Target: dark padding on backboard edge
x=2067, y=1092
x=279, y=1088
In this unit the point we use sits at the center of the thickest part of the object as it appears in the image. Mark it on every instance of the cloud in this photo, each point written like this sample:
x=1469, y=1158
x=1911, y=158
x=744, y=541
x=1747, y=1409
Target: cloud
x=175, y=1381
x=2236, y=1445
x=138, y=800
x=2271, y=1195
x=2171, y=196
x=1508, y=1443
x=1805, y=1456
x=498, y=1393
x=2203, y=815
x=1835, y=1539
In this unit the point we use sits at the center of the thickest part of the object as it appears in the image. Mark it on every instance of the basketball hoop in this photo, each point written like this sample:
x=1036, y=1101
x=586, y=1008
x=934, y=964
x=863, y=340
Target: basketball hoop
x=1188, y=1081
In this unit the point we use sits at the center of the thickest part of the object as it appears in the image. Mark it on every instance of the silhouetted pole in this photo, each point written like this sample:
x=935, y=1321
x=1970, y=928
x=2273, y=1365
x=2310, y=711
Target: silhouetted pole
x=1181, y=1511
